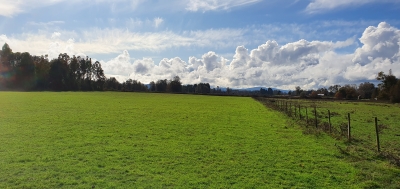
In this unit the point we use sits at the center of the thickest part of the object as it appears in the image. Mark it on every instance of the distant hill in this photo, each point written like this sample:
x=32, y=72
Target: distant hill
x=241, y=89
x=258, y=88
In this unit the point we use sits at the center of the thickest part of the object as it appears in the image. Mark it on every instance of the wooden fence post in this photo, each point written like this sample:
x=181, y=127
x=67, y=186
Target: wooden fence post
x=306, y=116
x=290, y=109
x=348, y=128
x=300, y=111
x=286, y=108
x=283, y=106
x=315, y=115
x=295, y=111
x=329, y=119
x=377, y=134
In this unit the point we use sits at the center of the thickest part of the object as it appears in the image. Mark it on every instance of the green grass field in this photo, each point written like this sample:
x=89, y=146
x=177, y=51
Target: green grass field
x=362, y=150
x=362, y=117
x=139, y=140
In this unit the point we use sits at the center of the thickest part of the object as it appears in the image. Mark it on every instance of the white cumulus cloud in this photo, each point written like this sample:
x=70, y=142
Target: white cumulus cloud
x=379, y=42
x=309, y=64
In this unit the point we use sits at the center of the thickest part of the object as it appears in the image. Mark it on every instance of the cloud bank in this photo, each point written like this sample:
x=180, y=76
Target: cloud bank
x=114, y=40
x=308, y=64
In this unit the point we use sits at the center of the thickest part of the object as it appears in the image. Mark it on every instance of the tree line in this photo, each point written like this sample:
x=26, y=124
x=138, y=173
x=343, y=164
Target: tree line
x=26, y=72
x=23, y=71
x=387, y=89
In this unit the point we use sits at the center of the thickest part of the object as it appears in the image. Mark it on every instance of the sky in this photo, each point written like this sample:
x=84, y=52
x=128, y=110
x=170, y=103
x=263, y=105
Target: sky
x=227, y=43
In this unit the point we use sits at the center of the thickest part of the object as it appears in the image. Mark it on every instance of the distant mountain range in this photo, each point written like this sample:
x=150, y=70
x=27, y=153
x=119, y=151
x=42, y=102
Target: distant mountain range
x=253, y=89
x=242, y=89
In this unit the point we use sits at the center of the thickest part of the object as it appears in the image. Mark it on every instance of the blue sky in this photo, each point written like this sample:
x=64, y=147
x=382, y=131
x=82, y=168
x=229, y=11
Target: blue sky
x=232, y=43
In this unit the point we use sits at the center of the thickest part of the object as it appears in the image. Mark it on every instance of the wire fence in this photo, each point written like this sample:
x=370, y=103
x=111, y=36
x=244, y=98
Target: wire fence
x=314, y=118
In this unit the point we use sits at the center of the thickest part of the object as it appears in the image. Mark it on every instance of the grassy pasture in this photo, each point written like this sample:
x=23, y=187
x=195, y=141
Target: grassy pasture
x=362, y=117
x=136, y=140
x=362, y=150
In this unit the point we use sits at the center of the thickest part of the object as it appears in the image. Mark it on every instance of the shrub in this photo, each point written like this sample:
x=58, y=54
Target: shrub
x=303, y=94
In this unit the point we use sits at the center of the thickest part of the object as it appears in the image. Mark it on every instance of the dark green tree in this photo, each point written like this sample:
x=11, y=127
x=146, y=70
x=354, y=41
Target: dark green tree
x=25, y=72
x=74, y=74
x=152, y=86
x=270, y=91
x=98, y=76
x=387, y=82
x=6, y=67
x=348, y=92
x=298, y=90
x=112, y=84
x=161, y=85
x=203, y=88
x=42, y=68
x=175, y=85
x=59, y=72
x=333, y=89
x=366, y=89
x=395, y=93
